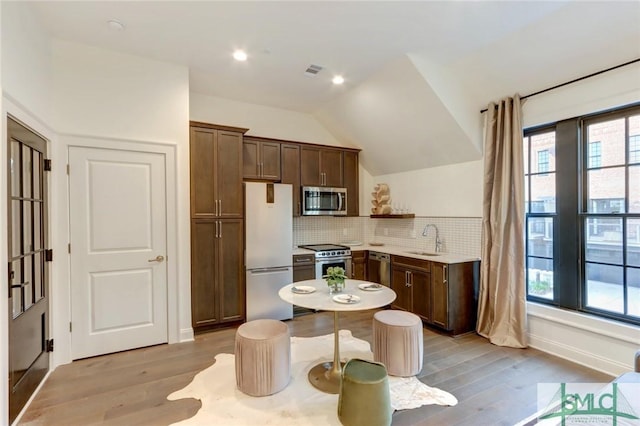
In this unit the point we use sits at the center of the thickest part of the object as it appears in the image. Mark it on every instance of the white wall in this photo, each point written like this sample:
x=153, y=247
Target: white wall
x=448, y=191
x=100, y=94
x=261, y=120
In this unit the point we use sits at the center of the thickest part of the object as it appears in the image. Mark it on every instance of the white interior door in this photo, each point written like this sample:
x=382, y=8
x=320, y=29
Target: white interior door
x=118, y=244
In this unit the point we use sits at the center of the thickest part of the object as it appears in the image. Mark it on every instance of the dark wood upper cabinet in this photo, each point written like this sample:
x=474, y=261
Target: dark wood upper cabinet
x=290, y=160
x=321, y=166
x=351, y=182
x=216, y=172
x=261, y=159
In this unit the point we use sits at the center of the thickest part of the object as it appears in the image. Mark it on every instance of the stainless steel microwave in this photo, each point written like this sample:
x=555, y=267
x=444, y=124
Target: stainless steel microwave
x=324, y=201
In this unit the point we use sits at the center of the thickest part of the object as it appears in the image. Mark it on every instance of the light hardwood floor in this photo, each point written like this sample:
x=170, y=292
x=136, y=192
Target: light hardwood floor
x=494, y=385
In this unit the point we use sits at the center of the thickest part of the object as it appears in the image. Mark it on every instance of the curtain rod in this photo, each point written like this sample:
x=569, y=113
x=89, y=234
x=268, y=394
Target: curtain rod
x=575, y=80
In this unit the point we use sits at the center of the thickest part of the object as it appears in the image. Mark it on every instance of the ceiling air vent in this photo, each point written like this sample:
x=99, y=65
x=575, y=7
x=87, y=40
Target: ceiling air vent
x=312, y=70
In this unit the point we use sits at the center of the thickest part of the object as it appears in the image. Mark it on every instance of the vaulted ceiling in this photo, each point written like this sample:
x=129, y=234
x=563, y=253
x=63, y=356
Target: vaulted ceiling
x=416, y=73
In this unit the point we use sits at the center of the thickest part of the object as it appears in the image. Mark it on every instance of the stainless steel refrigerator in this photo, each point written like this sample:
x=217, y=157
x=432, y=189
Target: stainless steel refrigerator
x=269, y=249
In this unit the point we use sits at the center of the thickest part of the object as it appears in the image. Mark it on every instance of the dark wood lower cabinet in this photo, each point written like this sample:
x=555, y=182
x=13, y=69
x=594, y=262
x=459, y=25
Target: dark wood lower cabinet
x=359, y=264
x=304, y=267
x=217, y=272
x=443, y=295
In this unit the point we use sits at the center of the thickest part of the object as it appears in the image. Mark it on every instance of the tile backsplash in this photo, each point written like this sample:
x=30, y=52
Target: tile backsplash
x=460, y=235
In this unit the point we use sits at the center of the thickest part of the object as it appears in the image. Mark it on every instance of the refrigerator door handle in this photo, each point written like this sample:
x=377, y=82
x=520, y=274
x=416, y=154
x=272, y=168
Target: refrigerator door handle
x=269, y=270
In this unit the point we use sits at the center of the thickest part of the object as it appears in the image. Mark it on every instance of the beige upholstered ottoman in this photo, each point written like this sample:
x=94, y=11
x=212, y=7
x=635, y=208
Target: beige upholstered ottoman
x=397, y=342
x=263, y=357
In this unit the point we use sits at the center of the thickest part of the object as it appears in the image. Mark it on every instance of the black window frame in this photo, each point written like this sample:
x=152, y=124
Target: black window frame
x=569, y=245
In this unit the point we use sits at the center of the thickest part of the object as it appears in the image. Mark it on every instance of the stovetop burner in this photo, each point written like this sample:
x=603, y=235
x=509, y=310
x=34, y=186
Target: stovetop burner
x=328, y=250
x=323, y=247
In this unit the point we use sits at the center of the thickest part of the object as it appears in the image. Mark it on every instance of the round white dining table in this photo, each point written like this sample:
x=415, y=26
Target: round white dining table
x=326, y=376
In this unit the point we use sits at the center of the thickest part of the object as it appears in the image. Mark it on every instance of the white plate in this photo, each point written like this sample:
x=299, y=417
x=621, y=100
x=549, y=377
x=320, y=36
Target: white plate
x=352, y=243
x=303, y=289
x=346, y=298
x=370, y=287
x=375, y=243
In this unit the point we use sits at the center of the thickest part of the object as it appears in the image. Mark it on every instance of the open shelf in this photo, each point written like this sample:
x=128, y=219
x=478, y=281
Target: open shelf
x=393, y=216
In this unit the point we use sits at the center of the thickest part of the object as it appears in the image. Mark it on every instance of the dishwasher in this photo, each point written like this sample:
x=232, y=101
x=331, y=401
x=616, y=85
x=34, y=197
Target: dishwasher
x=379, y=268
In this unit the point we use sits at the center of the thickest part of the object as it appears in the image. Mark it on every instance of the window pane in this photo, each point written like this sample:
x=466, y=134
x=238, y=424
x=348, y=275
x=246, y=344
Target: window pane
x=543, y=152
x=526, y=194
x=634, y=189
x=38, y=284
x=37, y=229
x=604, y=287
x=543, y=193
x=594, y=153
x=28, y=280
x=633, y=243
x=37, y=158
x=15, y=169
x=633, y=291
x=525, y=150
x=540, y=277
x=540, y=239
x=16, y=293
x=634, y=139
x=604, y=240
x=26, y=171
x=611, y=135
x=606, y=188
x=27, y=226
x=16, y=228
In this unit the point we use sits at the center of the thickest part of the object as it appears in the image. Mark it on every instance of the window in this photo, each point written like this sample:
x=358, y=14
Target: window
x=540, y=206
x=634, y=149
x=585, y=189
x=543, y=161
x=595, y=155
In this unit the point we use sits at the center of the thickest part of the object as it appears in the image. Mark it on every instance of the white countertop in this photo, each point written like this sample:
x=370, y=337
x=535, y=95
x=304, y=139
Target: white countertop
x=448, y=258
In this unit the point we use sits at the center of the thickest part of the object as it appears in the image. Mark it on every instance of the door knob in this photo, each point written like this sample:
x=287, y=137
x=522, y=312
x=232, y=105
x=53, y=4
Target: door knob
x=159, y=258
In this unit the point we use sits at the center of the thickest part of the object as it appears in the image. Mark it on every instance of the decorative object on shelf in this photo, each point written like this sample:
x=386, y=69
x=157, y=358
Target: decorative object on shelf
x=335, y=279
x=381, y=199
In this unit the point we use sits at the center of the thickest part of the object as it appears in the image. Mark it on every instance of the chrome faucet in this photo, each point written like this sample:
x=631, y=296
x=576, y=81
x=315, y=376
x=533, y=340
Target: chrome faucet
x=438, y=240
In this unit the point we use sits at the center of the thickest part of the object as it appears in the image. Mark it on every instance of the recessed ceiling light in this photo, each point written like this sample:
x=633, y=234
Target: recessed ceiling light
x=338, y=79
x=115, y=25
x=239, y=55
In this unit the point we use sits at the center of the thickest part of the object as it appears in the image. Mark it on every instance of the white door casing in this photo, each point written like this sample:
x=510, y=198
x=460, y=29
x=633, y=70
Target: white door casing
x=118, y=237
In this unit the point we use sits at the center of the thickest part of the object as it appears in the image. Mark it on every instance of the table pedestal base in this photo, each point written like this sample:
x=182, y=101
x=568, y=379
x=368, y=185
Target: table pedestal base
x=325, y=378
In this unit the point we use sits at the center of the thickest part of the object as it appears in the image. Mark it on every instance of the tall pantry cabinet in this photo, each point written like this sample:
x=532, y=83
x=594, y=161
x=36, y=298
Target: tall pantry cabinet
x=217, y=225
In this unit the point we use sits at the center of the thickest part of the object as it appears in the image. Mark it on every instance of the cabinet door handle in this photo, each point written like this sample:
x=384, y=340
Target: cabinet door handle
x=219, y=207
x=444, y=274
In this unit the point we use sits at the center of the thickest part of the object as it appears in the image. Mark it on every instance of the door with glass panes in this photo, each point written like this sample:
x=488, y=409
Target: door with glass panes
x=28, y=276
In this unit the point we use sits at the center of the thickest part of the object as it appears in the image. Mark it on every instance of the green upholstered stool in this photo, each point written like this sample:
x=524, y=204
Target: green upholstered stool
x=364, y=394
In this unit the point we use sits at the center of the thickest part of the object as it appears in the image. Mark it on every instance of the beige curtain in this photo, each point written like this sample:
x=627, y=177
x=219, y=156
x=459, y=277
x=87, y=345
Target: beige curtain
x=501, y=300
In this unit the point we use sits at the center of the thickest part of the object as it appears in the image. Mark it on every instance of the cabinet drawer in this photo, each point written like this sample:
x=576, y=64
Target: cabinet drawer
x=303, y=259
x=424, y=265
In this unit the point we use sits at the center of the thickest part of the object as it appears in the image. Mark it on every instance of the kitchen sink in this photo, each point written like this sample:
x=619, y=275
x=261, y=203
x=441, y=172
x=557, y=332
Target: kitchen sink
x=424, y=253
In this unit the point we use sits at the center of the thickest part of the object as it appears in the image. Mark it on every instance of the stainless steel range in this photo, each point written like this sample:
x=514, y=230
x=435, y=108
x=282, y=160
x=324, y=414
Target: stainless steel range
x=329, y=255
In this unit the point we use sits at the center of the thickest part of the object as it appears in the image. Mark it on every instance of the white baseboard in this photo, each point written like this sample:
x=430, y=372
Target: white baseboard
x=601, y=344
x=186, y=334
x=578, y=356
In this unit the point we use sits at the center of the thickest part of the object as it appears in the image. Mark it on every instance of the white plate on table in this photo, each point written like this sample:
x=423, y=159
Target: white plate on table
x=302, y=289
x=348, y=299
x=370, y=287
